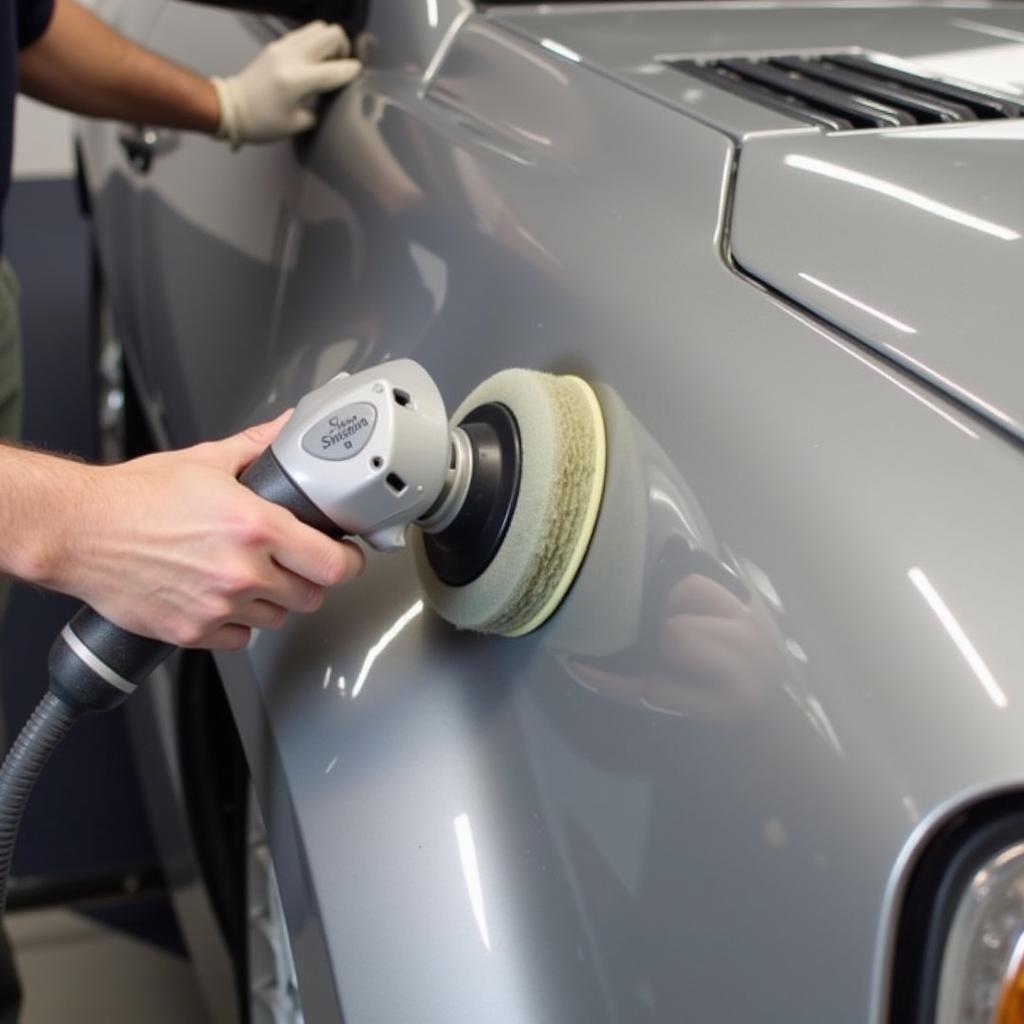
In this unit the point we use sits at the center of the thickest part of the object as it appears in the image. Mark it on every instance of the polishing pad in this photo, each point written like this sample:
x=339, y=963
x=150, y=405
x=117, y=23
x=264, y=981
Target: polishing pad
x=561, y=432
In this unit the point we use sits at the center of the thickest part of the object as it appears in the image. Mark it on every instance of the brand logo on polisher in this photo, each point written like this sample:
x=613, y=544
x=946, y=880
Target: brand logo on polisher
x=342, y=434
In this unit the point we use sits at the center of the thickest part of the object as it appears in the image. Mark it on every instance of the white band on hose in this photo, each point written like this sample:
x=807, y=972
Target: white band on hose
x=101, y=669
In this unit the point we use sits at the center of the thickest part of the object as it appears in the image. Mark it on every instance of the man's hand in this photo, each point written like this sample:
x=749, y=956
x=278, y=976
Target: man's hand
x=172, y=546
x=269, y=99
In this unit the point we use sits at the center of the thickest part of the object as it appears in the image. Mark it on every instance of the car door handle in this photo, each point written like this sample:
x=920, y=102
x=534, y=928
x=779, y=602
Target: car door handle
x=143, y=145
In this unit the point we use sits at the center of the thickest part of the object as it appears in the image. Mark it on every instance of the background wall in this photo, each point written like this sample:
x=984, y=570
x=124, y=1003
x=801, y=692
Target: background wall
x=42, y=138
x=42, y=141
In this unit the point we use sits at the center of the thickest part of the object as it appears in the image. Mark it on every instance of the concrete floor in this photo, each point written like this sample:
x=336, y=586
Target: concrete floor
x=74, y=969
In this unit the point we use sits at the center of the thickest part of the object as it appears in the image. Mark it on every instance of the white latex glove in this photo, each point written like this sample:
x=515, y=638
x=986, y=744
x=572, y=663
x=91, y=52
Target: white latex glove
x=267, y=100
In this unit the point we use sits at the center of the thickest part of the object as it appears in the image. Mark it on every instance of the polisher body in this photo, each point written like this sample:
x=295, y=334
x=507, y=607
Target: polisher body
x=370, y=450
x=370, y=453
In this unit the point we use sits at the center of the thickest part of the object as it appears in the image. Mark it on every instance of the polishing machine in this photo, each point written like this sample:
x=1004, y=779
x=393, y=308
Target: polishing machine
x=505, y=498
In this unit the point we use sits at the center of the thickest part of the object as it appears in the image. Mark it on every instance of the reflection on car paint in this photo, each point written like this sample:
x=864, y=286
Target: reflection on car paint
x=381, y=645
x=901, y=194
x=471, y=872
x=717, y=648
x=870, y=310
x=958, y=636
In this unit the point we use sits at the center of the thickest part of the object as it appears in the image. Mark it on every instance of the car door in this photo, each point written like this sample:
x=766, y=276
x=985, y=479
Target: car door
x=211, y=234
x=111, y=183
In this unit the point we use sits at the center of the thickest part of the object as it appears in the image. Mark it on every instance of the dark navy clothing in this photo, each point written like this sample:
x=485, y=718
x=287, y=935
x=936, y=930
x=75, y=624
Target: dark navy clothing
x=21, y=22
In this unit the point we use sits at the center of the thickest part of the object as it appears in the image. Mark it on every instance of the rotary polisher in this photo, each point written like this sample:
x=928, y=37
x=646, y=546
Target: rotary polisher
x=505, y=499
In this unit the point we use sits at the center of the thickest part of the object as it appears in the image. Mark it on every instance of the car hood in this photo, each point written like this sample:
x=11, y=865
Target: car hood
x=910, y=240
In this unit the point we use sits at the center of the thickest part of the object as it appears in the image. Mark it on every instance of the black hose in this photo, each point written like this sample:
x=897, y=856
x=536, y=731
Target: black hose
x=49, y=724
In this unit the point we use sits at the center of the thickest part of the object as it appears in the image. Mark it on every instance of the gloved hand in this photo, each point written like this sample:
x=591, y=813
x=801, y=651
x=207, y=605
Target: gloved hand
x=267, y=100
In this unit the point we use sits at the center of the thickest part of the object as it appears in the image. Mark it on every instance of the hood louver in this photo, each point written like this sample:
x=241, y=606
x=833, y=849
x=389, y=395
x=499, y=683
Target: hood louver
x=839, y=92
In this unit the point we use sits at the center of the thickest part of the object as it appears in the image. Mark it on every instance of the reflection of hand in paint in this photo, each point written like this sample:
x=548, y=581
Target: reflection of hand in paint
x=372, y=160
x=714, y=656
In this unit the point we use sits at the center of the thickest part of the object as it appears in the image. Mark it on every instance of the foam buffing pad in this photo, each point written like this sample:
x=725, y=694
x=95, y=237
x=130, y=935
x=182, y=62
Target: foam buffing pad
x=562, y=471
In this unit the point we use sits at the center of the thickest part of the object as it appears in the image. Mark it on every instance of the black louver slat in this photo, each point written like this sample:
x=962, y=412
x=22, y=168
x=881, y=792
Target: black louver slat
x=843, y=91
x=985, y=105
x=924, y=108
x=858, y=110
x=782, y=102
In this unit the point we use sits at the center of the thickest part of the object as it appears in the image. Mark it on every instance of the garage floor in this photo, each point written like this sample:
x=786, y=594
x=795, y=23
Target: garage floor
x=120, y=963
x=72, y=968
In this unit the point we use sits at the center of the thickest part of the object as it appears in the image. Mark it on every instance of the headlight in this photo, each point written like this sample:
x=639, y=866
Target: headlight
x=982, y=975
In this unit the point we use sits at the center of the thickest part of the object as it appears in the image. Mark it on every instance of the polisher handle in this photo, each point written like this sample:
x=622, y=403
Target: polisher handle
x=268, y=478
x=94, y=664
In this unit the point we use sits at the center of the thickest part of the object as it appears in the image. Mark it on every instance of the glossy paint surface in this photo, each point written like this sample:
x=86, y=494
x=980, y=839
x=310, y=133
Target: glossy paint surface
x=794, y=645
x=912, y=241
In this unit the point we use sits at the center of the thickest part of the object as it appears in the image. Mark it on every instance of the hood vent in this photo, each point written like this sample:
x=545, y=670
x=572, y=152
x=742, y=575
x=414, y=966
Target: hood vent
x=841, y=91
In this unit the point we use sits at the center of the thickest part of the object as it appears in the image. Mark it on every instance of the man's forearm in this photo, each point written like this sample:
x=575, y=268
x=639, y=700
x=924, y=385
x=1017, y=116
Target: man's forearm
x=169, y=545
x=40, y=496
x=82, y=65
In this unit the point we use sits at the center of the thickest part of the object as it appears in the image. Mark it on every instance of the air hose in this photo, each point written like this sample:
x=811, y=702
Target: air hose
x=80, y=683
x=48, y=725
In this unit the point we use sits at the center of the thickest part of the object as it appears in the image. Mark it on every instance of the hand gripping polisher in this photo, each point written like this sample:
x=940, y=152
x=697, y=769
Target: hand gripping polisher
x=505, y=499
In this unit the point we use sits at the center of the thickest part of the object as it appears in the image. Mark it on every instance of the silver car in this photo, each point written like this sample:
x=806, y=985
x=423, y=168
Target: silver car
x=766, y=762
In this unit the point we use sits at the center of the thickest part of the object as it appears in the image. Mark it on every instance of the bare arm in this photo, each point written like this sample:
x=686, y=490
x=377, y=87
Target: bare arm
x=82, y=65
x=39, y=494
